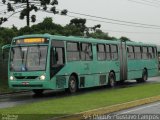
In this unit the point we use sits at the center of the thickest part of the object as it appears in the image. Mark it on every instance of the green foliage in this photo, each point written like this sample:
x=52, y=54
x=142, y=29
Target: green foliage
x=83, y=102
x=72, y=30
x=79, y=23
x=25, y=30
x=101, y=35
x=124, y=39
x=28, y=6
x=2, y=20
x=75, y=28
x=3, y=1
x=6, y=35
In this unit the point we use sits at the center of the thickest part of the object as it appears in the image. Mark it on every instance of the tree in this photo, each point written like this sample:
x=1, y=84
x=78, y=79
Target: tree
x=6, y=35
x=79, y=23
x=46, y=26
x=101, y=35
x=124, y=39
x=95, y=27
x=2, y=20
x=27, y=6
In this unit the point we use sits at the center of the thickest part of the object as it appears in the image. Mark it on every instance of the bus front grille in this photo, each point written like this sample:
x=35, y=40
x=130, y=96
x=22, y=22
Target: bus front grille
x=38, y=85
x=26, y=77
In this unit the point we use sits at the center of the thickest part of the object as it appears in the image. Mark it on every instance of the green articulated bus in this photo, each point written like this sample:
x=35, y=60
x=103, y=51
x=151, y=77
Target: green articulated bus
x=43, y=61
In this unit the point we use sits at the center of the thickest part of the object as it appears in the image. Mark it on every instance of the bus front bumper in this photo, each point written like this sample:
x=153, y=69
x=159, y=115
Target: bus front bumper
x=30, y=85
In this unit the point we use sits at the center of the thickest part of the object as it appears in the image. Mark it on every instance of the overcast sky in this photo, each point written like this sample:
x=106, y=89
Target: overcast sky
x=125, y=10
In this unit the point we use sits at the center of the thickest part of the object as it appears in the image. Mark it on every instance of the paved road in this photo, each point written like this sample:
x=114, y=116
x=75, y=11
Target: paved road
x=153, y=108
x=144, y=112
x=29, y=97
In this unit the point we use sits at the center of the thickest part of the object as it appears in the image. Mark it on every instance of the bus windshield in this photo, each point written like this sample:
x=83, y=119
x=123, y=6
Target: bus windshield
x=30, y=58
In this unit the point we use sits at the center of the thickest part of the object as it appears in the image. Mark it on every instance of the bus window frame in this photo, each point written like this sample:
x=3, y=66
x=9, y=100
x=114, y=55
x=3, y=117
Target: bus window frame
x=104, y=52
x=138, y=52
x=86, y=51
x=117, y=52
x=131, y=52
x=142, y=52
x=78, y=45
x=110, y=57
x=53, y=49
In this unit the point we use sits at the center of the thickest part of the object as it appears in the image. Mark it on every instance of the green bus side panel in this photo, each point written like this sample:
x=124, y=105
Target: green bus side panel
x=89, y=73
x=135, y=68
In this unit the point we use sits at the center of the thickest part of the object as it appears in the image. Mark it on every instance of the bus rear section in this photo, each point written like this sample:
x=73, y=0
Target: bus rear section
x=142, y=61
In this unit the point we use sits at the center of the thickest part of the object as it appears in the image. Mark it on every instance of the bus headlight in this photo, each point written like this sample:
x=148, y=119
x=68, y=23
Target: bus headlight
x=11, y=78
x=42, y=77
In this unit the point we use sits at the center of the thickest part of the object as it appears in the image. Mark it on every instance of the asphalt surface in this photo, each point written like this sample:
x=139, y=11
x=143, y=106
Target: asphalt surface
x=28, y=97
x=144, y=112
x=153, y=108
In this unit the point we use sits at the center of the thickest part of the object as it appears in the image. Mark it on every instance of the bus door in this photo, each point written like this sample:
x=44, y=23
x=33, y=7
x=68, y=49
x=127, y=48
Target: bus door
x=57, y=57
x=123, y=60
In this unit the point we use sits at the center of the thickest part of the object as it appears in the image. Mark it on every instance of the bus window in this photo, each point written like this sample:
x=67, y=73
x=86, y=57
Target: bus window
x=108, y=53
x=57, y=54
x=137, y=51
x=73, y=51
x=114, y=52
x=86, y=51
x=101, y=52
x=144, y=53
x=154, y=52
x=151, y=52
x=130, y=51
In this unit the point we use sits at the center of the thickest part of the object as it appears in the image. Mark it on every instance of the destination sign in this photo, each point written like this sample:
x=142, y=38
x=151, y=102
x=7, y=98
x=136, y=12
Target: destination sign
x=31, y=41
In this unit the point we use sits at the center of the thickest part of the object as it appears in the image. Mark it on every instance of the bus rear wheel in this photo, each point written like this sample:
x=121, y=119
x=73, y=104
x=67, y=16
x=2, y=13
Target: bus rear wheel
x=38, y=91
x=72, y=86
x=111, y=80
x=144, y=76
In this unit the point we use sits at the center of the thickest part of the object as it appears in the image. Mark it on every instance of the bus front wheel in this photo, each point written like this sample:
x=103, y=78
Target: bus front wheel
x=73, y=86
x=111, y=80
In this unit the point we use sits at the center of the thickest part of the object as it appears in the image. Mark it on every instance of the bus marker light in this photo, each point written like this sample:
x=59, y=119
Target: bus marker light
x=11, y=78
x=42, y=77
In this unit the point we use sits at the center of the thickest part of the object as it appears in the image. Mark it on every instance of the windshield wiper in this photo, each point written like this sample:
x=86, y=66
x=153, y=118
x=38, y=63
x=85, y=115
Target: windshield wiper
x=21, y=53
x=13, y=52
x=39, y=54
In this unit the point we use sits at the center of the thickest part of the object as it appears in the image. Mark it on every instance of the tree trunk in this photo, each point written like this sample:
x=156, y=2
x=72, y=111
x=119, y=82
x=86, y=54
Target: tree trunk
x=28, y=14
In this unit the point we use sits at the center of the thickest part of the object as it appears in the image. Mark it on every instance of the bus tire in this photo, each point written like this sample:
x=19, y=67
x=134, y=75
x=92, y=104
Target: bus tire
x=72, y=85
x=38, y=91
x=144, y=76
x=111, y=80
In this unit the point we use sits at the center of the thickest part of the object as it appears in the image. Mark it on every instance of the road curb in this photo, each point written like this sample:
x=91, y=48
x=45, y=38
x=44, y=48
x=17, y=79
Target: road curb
x=108, y=109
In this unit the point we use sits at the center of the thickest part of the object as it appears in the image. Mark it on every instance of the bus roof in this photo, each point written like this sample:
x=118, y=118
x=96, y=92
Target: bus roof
x=81, y=39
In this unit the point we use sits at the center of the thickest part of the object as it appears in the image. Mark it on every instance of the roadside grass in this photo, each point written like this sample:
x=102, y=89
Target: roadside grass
x=77, y=103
